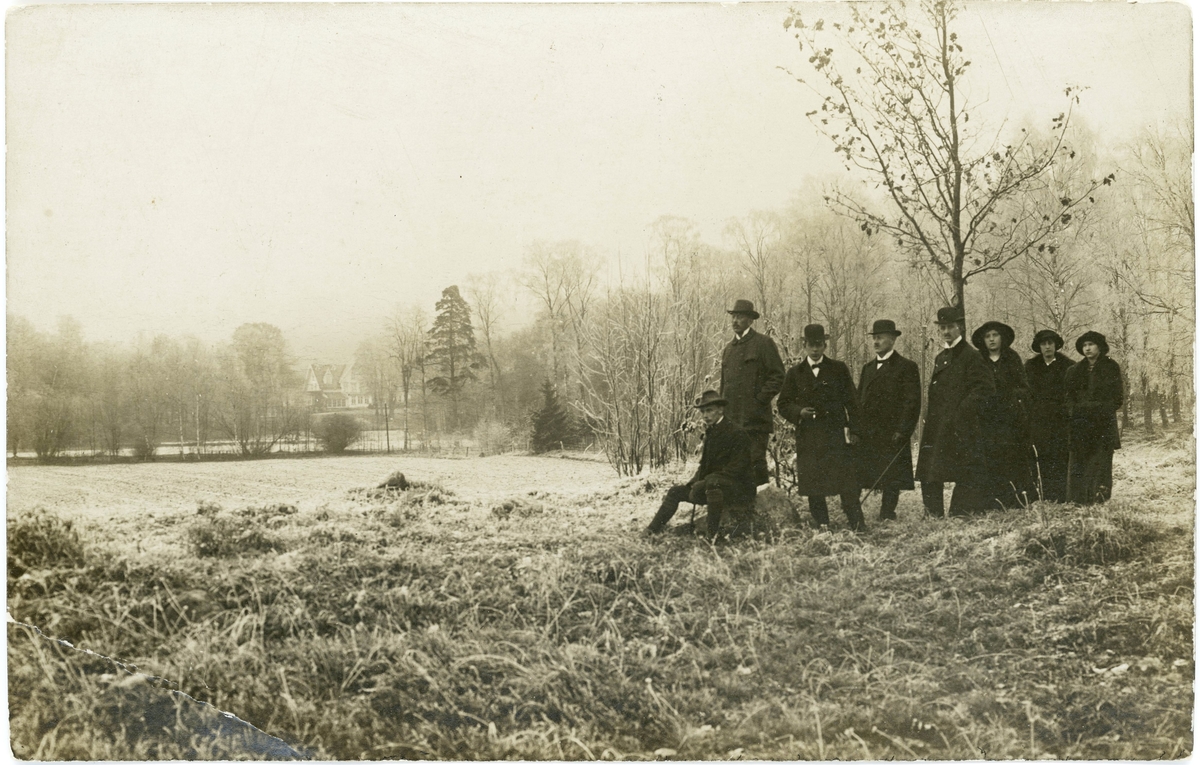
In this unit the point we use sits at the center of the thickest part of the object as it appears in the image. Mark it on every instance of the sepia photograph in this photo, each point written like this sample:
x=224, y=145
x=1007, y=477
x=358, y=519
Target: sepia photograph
x=608, y=381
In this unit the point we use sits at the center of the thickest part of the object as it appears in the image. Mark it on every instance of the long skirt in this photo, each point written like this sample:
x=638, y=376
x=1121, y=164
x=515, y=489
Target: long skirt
x=1049, y=468
x=1089, y=476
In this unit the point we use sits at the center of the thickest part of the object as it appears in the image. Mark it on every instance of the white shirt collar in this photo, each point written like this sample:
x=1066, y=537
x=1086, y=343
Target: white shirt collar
x=742, y=336
x=885, y=356
x=956, y=342
x=818, y=361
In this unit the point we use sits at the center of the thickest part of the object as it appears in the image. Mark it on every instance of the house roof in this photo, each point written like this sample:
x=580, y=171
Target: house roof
x=335, y=375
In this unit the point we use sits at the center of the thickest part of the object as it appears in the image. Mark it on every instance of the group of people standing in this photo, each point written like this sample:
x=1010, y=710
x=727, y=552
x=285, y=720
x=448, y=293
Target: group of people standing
x=1003, y=431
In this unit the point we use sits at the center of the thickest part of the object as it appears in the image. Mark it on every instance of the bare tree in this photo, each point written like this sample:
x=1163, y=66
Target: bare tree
x=406, y=346
x=562, y=276
x=691, y=282
x=257, y=389
x=756, y=241
x=893, y=104
x=484, y=292
x=628, y=402
x=1150, y=257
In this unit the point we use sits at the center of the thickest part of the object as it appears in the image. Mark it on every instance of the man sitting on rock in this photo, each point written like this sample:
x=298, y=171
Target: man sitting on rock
x=725, y=477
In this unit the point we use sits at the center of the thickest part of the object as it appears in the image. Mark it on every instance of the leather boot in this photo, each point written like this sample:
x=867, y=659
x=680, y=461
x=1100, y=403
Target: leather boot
x=665, y=512
x=820, y=511
x=716, y=508
x=744, y=520
x=854, y=513
x=887, y=508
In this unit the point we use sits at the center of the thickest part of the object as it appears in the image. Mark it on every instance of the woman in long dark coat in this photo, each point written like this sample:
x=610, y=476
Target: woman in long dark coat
x=1047, y=376
x=1002, y=417
x=1094, y=394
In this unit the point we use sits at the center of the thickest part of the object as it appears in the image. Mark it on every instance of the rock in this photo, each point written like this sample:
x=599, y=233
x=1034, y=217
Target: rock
x=395, y=481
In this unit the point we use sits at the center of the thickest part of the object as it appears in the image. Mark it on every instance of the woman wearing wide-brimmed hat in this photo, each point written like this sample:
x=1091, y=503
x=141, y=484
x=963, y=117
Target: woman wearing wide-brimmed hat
x=1047, y=375
x=1094, y=394
x=1002, y=417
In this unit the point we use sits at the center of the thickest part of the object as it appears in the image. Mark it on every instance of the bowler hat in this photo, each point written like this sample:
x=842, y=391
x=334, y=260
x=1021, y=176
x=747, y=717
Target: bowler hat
x=1092, y=337
x=814, y=333
x=1044, y=335
x=710, y=398
x=743, y=306
x=1006, y=334
x=884, y=327
x=950, y=315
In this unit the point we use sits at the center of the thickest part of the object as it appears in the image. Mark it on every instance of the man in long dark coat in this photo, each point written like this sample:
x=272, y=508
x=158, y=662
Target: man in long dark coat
x=751, y=375
x=1048, y=428
x=951, y=443
x=818, y=397
x=724, y=477
x=889, y=408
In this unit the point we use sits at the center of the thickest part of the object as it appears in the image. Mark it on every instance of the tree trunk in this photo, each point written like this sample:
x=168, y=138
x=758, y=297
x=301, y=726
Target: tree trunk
x=1147, y=405
x=960, y=297
x=1125, y=406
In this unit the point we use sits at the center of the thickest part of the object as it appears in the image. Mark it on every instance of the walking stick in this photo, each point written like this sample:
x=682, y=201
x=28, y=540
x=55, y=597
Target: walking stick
x=896, y=456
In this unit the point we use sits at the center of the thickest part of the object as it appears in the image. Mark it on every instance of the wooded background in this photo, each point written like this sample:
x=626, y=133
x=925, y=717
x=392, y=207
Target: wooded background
x=1039, y=225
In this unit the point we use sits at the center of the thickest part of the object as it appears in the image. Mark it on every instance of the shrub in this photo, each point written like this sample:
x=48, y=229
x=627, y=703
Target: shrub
x=338, y=431
x=217, y=534
x=42, y=540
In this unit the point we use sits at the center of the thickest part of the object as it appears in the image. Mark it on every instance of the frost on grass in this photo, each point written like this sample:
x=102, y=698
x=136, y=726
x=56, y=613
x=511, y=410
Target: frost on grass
x=216, y=533
x=68, y=703
x=416, y=624
x=41, y=540
x=71, y=704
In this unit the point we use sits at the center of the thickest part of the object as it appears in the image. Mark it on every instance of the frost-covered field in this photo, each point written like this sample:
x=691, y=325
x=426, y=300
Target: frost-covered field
x=102, y=493
x=507, y=608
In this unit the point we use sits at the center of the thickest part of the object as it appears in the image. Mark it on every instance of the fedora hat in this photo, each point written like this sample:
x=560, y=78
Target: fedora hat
x=884, y=327
x=1006, y=334
x=1044, y=335
x=950, y=315
x=1092, y=336
x=709, y=398
x=814, y=333
x=743, y=306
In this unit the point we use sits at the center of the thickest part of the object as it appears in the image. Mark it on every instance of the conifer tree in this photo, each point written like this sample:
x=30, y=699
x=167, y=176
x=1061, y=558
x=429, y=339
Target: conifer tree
x=551, y=424
x=452, y=349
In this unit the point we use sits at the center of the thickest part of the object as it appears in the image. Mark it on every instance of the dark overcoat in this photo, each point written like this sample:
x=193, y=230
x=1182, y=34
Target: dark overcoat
x=1093, y=398
x=1048, y=405
x=726, y=456
x=1004, y=423
x=951, y=443
x=751, y=375
x=889, y=402
x=824, y=462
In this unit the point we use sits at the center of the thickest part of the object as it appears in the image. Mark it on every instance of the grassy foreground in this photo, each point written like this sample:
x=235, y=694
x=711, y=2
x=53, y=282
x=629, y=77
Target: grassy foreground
x=415, y=625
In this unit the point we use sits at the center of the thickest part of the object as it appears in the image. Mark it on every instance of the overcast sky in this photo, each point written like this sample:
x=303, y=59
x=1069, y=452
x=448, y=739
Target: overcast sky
x=185, y=169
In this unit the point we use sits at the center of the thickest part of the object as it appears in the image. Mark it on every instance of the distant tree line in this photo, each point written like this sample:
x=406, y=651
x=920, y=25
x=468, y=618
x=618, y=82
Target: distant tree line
x=1040, y=226
x=617, y=362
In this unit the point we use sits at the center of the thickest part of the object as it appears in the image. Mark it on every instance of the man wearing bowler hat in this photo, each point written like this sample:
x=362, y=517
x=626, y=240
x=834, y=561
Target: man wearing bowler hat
x=889, y=408
x=951, y=442
x=723, y=478
x=818, y=397
x=751, y=375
